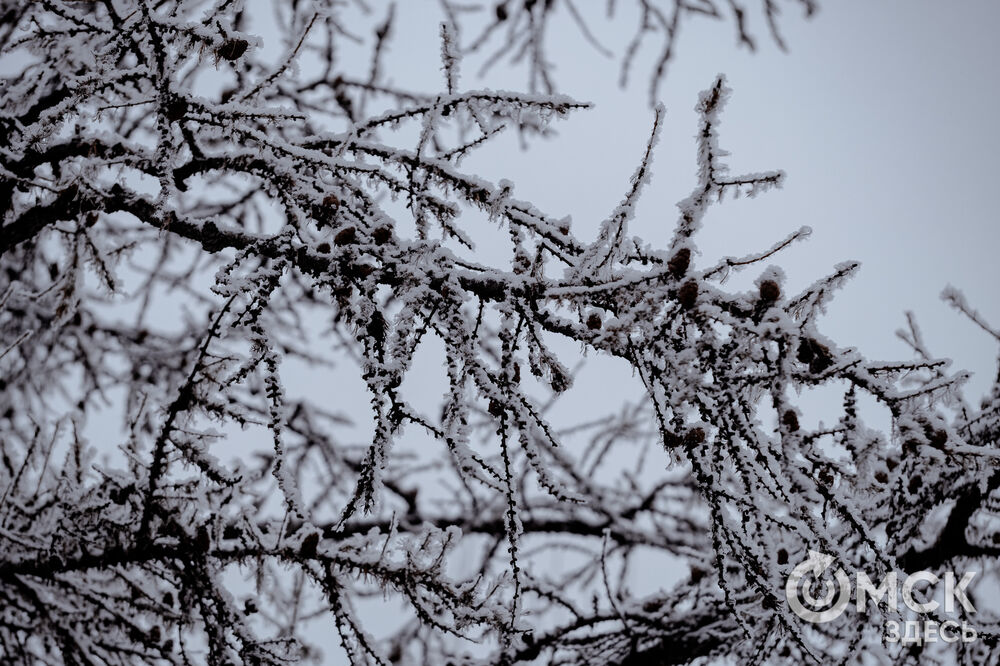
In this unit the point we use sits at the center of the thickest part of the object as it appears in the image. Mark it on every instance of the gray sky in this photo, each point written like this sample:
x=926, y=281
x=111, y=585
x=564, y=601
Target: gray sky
x=879, y=114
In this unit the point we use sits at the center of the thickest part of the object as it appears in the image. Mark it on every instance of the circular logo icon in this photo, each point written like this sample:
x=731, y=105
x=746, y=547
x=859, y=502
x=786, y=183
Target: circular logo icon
x=798, y=592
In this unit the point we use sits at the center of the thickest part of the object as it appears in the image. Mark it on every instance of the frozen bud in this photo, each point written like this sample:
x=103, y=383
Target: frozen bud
x=346, y=236
x=815, y=354
x=323, y=248
x=211, y=238
x=687, y=295
x=202, y=540
x=782, y=556
x=360, y=270
x=694, y=436
x=175, y=109
x=791, y=420
x=382, y=235
x=331, y=201
x=769, y=291
x=881, y=476
x=232, y=49
x=501, y=12
x=309, y=546
x=594, y=321
x=376, y=327
x=679, y=263
x=249, y=607
x=496, y=408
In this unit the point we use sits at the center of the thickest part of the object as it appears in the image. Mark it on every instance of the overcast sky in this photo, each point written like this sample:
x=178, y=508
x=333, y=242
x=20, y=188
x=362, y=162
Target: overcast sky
x=881, y=114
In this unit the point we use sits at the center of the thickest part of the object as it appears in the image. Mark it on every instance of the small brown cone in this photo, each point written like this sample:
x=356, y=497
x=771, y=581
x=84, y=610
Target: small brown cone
x=769, y=291
x=346, y=236
x=687, y=295
x=309, y=546
x=679, y=263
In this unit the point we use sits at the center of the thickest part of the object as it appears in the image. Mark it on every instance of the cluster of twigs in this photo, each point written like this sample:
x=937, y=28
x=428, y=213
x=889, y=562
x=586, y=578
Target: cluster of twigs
x=171, y=252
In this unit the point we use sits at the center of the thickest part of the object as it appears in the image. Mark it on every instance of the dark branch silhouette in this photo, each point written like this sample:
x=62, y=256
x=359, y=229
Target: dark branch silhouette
x=207, y=254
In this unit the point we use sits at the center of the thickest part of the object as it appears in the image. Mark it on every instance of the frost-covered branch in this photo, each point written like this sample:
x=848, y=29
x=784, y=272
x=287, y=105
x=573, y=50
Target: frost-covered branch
x=222, y=275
